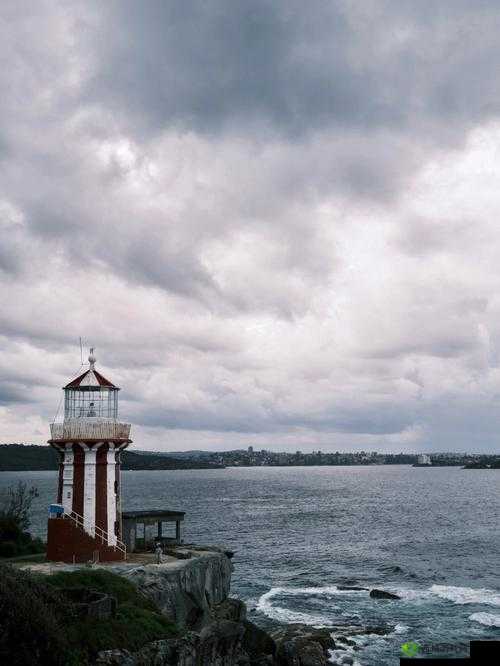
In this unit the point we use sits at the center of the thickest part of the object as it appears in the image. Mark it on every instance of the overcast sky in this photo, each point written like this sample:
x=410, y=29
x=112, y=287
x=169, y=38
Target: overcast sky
x=277, y=222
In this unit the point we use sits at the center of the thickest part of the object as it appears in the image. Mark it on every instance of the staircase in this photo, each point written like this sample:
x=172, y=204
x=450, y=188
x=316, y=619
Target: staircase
x=98, y=533
x=69, y=541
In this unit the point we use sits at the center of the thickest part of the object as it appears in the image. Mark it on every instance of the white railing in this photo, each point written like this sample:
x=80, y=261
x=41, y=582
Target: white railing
x=98, y=532
x=88, y=428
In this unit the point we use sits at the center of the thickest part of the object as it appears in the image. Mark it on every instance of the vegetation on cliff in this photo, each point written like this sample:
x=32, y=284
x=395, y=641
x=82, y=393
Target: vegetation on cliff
x=41, y=625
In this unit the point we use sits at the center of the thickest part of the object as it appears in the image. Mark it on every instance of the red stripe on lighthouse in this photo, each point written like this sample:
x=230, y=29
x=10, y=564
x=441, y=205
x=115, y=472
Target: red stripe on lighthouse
x=78, y=478
x=101, y=502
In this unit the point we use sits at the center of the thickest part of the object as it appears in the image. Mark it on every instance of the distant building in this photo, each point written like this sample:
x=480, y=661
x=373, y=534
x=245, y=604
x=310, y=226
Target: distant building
x=424, y=459
x=250, y=450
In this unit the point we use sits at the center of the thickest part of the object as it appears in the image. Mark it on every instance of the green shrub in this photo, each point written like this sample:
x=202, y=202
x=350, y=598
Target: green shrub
x=103, y=581
x=134, y=611
x=8, y=549
x=32, y=617
x=40, y=626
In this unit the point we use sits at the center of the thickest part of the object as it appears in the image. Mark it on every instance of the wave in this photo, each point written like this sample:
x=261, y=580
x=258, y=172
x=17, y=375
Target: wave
x=488, y=619
x=326, y=590
x=467, y=595
x=336, y=657
x=407, y=594
x=285, y=615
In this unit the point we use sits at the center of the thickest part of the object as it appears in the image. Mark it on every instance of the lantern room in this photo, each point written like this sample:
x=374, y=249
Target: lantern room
x=91, y=395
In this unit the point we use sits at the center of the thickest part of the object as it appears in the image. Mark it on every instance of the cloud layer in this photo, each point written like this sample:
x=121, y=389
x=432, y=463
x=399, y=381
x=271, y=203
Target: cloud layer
x=277, y=224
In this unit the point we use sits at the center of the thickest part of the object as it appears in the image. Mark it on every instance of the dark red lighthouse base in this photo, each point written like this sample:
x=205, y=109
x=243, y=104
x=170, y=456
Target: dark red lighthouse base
x=66, y=542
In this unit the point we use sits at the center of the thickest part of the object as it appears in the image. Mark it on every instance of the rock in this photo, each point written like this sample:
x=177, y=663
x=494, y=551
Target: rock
x=220, y=644
x=90, y=603
x=230, y=609
x=382, y=594
x=115, y=658
x=171, y=652
x=185, y=590
x=344, y=641
x=258, y=644
x=177, y=553
x=380, y=631
x=302, y=645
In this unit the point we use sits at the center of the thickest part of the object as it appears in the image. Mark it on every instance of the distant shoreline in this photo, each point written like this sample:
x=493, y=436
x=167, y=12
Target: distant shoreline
x=33, y=458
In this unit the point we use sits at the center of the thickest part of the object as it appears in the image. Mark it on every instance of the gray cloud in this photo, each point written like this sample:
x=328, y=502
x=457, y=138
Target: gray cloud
x=292, y=69
x=277, y=223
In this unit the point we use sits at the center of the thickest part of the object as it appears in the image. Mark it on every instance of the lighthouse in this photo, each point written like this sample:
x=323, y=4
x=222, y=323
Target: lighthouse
x=85, y=523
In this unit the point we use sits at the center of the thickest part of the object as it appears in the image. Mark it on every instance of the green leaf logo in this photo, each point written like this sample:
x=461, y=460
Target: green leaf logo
x=410, y=649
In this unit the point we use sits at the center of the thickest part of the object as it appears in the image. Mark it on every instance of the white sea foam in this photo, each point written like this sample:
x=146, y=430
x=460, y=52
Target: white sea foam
x=361, y=640
x=488, y=619
x=408, y=594
x=401, y=629
x=337, y=657
x=286, y=615
x=326, y=590
x=467, y=595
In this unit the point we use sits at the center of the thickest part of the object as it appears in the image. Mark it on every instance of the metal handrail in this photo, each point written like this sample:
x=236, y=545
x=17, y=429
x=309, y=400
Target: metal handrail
x=98, y=532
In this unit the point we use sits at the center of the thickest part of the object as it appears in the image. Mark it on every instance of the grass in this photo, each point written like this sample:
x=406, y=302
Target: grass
x=32, y=603
x=103, y=581
x=24, y=559
x=134, y=610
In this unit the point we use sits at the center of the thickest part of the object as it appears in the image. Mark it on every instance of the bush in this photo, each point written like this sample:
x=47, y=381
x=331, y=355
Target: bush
x=8, y=548
x=40, y=625
x=134, y=610
x=32, y=616
x=100, y=580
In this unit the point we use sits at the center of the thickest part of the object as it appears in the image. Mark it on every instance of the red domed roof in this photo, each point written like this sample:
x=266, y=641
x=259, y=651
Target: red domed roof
x=90, y=378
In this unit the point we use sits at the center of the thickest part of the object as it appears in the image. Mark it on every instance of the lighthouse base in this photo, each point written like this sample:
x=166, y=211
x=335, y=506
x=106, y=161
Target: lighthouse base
x=67, y=542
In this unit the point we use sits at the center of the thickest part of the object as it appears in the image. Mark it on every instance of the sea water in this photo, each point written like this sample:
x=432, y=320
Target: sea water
x=429, y=535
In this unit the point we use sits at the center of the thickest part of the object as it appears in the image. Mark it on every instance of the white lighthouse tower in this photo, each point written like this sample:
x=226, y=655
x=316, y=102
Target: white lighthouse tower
x=85, y=523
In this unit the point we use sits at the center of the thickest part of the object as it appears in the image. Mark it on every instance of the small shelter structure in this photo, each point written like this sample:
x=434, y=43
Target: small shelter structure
x=138, y=534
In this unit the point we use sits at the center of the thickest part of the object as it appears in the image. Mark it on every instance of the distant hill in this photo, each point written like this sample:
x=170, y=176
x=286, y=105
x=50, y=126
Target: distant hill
x=484, y=463
x=192, y=455
x=28, y=457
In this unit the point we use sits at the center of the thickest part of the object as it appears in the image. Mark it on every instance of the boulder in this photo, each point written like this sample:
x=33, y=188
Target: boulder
x=382, y=594
x=220, y=644
x=258, y=644
x=302, y=645
x=230, y=609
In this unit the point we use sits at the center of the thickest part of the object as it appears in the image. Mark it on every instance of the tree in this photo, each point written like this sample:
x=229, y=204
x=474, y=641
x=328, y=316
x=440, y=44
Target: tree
x=15, y=508
x=17, y=504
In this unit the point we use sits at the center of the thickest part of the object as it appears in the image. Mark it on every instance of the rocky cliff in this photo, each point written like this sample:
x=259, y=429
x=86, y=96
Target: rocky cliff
x=194, y=593
x=186, y=590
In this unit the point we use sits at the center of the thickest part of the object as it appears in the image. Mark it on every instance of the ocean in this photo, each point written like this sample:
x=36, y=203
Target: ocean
x=299, y=533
